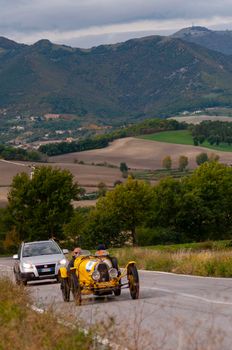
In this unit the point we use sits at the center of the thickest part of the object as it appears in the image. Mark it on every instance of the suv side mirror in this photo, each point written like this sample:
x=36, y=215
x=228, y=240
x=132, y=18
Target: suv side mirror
x=65, y=251
x=15, y=256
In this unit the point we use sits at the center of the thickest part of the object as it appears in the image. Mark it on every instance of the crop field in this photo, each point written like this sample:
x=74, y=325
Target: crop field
x=142, y=156
x=87, y=176
x=225, y=116
x=183, y=137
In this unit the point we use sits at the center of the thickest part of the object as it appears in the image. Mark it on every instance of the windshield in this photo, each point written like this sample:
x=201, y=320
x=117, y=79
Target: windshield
x=85, y=252
x=40, y=248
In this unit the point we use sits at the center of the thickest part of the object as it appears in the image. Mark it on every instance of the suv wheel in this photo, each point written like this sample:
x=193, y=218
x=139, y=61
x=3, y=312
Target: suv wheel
x=19, y=280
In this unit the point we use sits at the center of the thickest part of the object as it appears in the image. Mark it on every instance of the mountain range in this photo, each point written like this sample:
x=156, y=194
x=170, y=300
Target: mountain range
x=139, y=78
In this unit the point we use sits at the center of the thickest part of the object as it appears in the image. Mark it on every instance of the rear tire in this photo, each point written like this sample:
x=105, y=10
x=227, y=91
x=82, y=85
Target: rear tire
x=133, y=280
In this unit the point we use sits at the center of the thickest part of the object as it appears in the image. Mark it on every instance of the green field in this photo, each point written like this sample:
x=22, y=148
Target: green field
x=183, y=137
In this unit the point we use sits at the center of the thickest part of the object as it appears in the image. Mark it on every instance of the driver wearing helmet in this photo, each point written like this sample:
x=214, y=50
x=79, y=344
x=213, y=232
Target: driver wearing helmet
x=101, y=250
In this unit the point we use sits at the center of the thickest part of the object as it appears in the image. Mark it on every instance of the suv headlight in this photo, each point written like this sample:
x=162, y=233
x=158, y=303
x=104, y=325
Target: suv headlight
x=96, y=275
x=113, y=273
x=27, y=265
x=62, y=262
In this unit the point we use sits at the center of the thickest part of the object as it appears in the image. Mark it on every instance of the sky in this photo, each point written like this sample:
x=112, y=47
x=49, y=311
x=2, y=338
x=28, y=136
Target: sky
x=88, y=23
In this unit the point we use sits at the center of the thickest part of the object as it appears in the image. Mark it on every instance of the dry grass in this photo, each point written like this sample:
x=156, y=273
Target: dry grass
x=205, y=263
x=22, y=328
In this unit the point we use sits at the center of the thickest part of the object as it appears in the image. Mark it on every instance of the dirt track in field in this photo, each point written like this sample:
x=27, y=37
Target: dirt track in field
x=141, y=154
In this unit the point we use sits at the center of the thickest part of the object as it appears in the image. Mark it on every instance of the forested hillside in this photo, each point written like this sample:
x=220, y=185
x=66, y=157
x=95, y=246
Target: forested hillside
x=152, y=76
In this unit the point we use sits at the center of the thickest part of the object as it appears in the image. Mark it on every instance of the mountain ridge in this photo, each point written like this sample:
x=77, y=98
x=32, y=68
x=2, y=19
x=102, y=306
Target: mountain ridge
x=135, y=79
x=220, y=41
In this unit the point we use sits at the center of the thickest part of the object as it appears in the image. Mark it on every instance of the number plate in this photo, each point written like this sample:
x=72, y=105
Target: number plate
x=47, y=269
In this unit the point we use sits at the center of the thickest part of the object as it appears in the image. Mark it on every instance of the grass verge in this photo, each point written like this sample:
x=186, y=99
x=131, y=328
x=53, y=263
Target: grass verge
x=23, y=328
x=215, y=263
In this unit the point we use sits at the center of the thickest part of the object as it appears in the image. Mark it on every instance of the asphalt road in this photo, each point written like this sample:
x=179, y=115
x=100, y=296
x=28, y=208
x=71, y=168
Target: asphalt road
x=174, y=312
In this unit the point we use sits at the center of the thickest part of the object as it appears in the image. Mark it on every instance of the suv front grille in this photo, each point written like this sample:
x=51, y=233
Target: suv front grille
x=46, y=269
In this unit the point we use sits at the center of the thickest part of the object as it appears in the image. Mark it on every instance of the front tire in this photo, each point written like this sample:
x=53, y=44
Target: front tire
x=117, y=290
x=133, y=280
x=19, y=281
x=65, y=288
x=76, y=288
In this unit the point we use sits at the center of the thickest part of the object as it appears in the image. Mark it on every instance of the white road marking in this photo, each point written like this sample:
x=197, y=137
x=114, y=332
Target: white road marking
x=192, y=296
x=182, y=275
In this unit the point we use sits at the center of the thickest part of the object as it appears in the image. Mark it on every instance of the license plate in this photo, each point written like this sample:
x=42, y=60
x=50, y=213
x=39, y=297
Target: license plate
x=47, y=269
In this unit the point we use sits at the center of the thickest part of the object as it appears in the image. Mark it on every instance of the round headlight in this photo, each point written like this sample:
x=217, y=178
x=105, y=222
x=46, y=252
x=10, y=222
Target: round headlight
x=113, y=273
x=27, y=265
x=63, y=262
x=96, y=275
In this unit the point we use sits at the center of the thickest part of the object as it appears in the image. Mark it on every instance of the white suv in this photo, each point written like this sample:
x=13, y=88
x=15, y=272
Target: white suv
x=38, y=260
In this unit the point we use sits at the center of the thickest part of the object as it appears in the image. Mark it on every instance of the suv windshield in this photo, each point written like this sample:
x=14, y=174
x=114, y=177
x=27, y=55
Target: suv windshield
x=40, y=248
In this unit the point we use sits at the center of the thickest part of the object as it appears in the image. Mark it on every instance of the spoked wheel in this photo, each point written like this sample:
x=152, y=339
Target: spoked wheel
x=117, y=290
x=76, y=289
x=133, y=280
x=65, y=288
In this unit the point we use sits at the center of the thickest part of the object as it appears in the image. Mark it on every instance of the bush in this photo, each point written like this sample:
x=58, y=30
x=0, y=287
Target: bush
x=158, y=235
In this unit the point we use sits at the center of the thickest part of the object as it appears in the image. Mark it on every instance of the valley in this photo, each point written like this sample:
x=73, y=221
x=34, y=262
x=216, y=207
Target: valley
x=135, y=152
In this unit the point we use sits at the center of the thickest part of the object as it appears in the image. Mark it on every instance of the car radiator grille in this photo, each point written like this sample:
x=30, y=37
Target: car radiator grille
x=46, y=269
x=103, y=269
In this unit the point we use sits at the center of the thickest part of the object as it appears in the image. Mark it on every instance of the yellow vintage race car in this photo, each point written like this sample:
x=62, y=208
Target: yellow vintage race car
x=98, y=275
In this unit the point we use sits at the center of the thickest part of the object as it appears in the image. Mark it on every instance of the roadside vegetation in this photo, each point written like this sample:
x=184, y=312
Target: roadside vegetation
x=23, y=328
x=200, y=262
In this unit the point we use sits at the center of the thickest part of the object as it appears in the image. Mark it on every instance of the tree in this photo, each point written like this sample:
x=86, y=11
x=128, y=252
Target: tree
x=41, y=205
x=207, y=195
x=124, y=169
x=202, y=158
x=167, y=163
x=74, y=229
x=183, y=162
x=117, y=182
x=102, y=189
x=165, y=203
x=126, y=205
x=213, y=157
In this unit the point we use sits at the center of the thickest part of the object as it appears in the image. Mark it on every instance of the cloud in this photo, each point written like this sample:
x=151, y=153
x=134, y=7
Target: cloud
x=92, y=22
